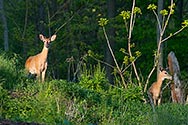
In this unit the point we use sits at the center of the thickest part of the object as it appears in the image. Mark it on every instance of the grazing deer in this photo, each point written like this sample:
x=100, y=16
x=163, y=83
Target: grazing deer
x=37, y=64
x=155, y=89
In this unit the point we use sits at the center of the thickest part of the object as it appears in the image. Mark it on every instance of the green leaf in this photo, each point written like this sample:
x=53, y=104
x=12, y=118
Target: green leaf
x=132, y=58
x=173, y=6
x=164, y=12
x=102, y=22
x=185, y=23
x=122, y=50
x=137, y=10
x=125, y=14
x=126, y=60
x=152, y=7
x=138, y=53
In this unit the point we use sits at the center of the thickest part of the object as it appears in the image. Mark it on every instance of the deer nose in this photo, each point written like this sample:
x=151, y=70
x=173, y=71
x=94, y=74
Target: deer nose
x=170, y=77
x=47, y=45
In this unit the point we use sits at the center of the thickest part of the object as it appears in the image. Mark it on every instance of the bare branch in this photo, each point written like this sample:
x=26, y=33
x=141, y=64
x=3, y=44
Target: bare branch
x=98, y=60
x=158, y=22
x=113, y=56
x=173, y=34
x=64, y=24
x=129, y=41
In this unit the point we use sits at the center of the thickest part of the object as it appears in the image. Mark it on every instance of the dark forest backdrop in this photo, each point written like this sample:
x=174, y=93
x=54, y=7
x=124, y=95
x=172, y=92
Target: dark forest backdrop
x=24, y=20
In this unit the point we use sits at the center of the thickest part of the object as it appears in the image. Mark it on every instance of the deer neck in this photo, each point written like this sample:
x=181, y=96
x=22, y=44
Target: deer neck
x=159, y=82
x=44, y=53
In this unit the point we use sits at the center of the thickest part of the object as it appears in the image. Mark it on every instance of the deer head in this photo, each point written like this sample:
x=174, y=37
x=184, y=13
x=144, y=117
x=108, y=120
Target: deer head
x=47, y=41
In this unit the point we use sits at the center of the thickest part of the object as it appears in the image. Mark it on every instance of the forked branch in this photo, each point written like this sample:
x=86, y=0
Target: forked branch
x=113, y=56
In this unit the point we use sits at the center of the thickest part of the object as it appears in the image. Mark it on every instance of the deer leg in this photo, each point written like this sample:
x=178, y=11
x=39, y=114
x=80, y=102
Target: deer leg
x=159, y=98
x=38, y=76
x=43, y=75
x=155, y=101
x=44, y=72
x=31, y=76
x=150, y=98
x=159, y=101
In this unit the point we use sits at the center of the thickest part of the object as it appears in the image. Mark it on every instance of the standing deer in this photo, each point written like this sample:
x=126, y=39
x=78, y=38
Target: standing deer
x=155, y=89
x=37, y=64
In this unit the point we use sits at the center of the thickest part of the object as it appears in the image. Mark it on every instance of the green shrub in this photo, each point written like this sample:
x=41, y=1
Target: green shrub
x=3, y=99
x=94, y=79
x=35, y=103
x=9, y=71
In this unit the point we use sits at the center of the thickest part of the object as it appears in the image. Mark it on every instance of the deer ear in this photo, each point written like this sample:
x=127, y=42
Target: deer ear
x=161, y=68
x=167, y=69
x=41, y=37
x=53, y=37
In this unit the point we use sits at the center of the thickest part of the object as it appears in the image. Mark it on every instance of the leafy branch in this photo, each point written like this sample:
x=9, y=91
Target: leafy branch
x=129, y=18
x=132, y=21
x=103, y=22
x=132, y=16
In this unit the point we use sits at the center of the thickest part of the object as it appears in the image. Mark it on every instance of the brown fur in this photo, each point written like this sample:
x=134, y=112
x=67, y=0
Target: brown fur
x=38, y=64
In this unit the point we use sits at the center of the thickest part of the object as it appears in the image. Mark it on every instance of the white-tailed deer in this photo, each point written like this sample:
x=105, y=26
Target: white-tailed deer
x=155, y=89
x=37, y=64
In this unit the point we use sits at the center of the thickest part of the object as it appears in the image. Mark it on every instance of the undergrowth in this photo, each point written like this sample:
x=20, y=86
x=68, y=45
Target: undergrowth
x=90, y=101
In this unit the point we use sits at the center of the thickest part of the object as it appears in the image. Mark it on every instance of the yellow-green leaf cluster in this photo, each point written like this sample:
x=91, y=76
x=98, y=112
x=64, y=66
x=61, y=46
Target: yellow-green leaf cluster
x=125, y=14
x=90, y=53
x=137, y=10
x=164, y=12
x=138, y=53
x=185, y=23
x=173, y=6
x=152, y=7
x=132, y=58
x=132, y=45
x=126, y=60
x=102, y=22
x=172, y=11
x=122, y=50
